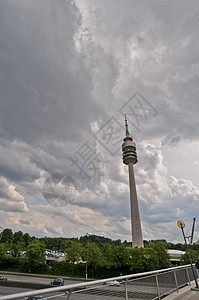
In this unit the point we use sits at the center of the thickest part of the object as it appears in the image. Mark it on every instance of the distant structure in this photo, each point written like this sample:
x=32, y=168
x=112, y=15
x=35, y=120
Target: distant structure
x=130, y=158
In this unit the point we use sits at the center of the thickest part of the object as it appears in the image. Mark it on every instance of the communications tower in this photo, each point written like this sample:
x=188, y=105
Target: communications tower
x=130, y=158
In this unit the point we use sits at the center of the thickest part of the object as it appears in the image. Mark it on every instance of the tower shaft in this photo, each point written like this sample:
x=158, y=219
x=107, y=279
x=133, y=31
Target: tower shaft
x=130, y=158
x=137, y=240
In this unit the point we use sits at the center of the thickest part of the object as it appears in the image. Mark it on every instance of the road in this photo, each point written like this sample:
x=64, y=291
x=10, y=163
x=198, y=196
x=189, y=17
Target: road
x=99, y=292
x=94, y=293
x=39, y=280
x=7, y=290
x=4, y=290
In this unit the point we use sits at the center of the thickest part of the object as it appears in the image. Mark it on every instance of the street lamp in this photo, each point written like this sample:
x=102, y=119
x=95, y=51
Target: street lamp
x=181, y=225
x=87, y=256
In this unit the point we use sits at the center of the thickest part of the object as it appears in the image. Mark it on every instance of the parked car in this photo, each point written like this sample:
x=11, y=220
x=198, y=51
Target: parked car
x=37, y=298
x=112, y=282
x=58, y=281
x=3, y=278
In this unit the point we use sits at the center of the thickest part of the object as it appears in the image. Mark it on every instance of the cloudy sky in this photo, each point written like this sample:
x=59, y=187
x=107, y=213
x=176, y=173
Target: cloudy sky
x=69, y=70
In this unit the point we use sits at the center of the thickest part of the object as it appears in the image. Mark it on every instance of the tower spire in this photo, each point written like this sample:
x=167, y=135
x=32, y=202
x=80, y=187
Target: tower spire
x=130, y=158
x=126, y=125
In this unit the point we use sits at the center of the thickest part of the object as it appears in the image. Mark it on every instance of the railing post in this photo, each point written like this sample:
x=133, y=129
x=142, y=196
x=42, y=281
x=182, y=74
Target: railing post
x=175, y=277
x=69, y=294
x=197, y=272
x=157, y=284
x=188, y=275
x=126, y=289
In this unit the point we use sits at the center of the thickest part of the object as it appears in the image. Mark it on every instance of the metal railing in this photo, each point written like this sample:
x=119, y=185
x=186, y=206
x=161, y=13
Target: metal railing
x=149, y=285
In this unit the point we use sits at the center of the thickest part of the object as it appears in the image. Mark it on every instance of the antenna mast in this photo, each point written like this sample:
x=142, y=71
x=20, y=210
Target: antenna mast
x=192, y=232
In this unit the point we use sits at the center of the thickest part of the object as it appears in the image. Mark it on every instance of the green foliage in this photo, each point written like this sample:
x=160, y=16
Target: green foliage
x=66, y=269
x=153, y=243
x=7, y=236
x=106, y=258
x=127, y=244
x=180, y=247
x=26, y=239
x=143, y=260
x=35, y=256
x=120, y=256
x=18, y=237
x=8, y=246
x=95, y=239
x=108, y=255
x=2, y=252
x=64, y=244
x=95, y=257
x=162, y=255
x=74, y=253
x=185, y=257
x=17, y=248
x=9, y=263
x=195, y=247
x=57, y=243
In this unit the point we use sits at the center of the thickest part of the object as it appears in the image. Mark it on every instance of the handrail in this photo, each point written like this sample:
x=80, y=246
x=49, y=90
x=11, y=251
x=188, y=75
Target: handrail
x=90, y=283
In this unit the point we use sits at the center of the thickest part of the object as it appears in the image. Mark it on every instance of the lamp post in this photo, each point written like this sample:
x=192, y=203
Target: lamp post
x=87, y=257
x=181, y=225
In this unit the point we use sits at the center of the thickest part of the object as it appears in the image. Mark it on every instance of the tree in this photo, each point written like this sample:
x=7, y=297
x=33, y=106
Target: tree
x=143, y=260
x=65, y=243
x=108, y=255
x=95, y=239
x=35, y=255
x=94, y=257
x=179, y=246
x=74, y=253
x=117, y=242
x=17, y=248
x=2, y=252
x=26, y=239
x=18, y=236
x=162, y=255
x=185, y=257
x=121, y=256
x=150, y=259
x=7, y=236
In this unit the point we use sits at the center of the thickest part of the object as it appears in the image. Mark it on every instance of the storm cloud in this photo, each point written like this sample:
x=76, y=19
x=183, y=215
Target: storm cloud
x=69, y=70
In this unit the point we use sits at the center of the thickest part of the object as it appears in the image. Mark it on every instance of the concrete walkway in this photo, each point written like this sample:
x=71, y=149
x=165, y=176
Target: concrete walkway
x=186, y=293
x=191, y=294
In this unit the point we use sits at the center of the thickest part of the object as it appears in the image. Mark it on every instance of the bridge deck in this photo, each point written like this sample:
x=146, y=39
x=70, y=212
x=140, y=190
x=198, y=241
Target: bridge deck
x=186, y=293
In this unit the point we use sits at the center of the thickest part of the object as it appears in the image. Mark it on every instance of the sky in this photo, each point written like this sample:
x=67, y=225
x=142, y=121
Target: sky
x=69, y=71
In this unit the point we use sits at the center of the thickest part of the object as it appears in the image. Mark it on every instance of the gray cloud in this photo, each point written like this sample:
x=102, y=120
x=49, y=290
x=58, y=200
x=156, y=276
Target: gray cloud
x=66, y=69
x=42, y=70
x=24, y=222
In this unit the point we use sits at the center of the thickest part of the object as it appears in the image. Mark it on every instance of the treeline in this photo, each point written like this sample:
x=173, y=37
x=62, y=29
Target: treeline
x=102, y=256
x=63, y=243
x=103, y=260
x=19, y=241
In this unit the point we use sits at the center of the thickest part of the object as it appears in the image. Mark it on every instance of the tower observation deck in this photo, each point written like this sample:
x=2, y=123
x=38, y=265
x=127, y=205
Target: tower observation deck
x=130, y=158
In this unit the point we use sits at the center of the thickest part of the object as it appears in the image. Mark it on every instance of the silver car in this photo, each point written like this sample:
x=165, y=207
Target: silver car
x=112, y=282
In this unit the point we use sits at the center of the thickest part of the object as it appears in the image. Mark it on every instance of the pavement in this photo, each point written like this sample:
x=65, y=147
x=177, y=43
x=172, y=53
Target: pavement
x=191, y=294
x=186, y=293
